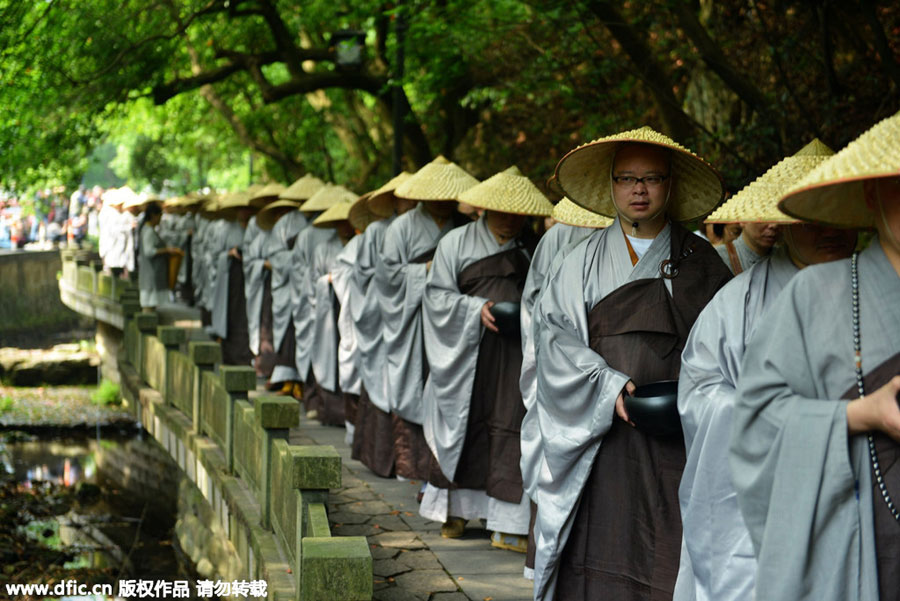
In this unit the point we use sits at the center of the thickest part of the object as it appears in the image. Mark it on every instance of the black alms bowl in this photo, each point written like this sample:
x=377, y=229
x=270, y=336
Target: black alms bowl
x=654, y=408
x=506, y=318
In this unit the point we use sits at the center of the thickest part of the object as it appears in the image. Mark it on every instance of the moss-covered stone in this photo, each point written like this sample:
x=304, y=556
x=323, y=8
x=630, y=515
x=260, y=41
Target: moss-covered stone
x=317, y=521
x=336, y=569
x=171, y=335
x=315, y=467
x=147, y=322
x=277, y=412
x=205, y=353
x=237, y=378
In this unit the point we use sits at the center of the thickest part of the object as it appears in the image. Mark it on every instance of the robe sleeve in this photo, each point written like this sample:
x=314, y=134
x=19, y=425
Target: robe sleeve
x=401, y=284
x=576, y=388
x=348, y=369
x=452, y=326
x=790, y=458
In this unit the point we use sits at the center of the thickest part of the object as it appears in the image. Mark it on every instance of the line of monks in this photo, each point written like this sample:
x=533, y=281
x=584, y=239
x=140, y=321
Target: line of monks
x=610, y=397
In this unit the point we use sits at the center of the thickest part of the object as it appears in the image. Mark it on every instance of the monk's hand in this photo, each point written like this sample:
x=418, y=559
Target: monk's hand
x=234, y=253
x=487, y=318
x=330, y=278
x=267, y=265
x=877, y=411
x=428, y=266
x=620, y=402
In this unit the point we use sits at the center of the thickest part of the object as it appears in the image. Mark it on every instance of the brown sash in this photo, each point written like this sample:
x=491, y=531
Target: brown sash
x=733, y=257
x=887, y=529
x=426, y=256
x=626, y=541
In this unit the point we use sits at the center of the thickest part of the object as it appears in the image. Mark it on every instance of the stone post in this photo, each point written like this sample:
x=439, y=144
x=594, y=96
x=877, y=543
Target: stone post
x=275, y=416
x=237, y=380
x=146, y=324
x=204, y=355
x=171, y=337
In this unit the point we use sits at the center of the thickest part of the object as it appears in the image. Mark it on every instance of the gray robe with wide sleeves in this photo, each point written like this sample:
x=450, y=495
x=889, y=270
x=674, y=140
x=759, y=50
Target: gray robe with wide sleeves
x=365, y=311
x=230, y=234
x=804, y=485
x=400, y=280
x=255, y=241
x=577, y=389
x=717, y=560
x=279, y=254
x=561, y=236
x=325, y=333
x=349, y=376
x=302, y=290
x=453, y=329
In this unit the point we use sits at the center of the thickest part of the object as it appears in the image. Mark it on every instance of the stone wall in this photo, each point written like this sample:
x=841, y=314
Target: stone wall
x=29, y=295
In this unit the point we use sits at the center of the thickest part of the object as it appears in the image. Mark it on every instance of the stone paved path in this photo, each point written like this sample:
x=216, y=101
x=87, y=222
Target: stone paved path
x=412, y=562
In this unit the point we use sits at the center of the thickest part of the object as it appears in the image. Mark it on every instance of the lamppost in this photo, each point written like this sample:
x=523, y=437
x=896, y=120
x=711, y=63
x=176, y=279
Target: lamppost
x=399, y=105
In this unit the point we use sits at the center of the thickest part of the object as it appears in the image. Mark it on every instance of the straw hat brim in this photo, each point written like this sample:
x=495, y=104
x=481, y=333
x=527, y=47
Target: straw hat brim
x=832, y=194
x=266, y=195
x=381, y=201
x=584, y=174
x=508, y=193
x=269, y=215
x=334, y=214
x=361, y=214
x=570, y=213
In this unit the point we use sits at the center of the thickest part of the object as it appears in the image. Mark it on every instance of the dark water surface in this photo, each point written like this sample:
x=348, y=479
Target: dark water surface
x=79, y=507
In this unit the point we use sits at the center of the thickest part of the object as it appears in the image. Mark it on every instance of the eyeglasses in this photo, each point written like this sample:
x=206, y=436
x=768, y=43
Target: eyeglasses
x=630, y=181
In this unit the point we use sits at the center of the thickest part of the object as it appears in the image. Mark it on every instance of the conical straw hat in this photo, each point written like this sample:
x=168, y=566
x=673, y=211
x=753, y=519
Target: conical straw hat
x=326, y=197
x=113, y=197
x=833, y=192
x=266, y=194
x=210, y=207
x=339, y=211
x=381, y=200
x=758, y=200
x=269, y=214
x=566, y=211
x=361, y=214
x=438, y=180
x=508, y=192
x=130, y=198
x=230, y=203
x=585, y=173
x=303, y=188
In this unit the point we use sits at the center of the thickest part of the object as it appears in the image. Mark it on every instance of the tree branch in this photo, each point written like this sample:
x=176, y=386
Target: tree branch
x=675, y=122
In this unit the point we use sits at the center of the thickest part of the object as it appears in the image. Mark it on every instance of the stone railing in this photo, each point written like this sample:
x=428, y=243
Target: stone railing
x=267, y=494
x=86, y=290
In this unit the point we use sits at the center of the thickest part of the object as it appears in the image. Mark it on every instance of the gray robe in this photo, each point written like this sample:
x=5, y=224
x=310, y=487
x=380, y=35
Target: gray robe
x=255, y=242
x=804, y=484
x=198, y=259
x=279, y=253
x=717, y=559
x=577, y=389
x=324, y=359
x=558, y=238
x=746, y=257
x=453, y=329
x=365, y=311
x=153, y=272
x=303, y=289
x=400, y=286
x=349, y=376
x=228, y=235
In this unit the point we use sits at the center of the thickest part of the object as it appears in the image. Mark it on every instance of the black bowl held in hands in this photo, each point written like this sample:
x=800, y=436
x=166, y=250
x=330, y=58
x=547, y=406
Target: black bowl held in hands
x=654, y=408
x=506, y=318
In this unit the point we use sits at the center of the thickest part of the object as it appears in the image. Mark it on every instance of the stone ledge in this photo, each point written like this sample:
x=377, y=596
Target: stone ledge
x=237, y=378
x=205, y=353
x=276, y=412
x=171, y=335
x=336, y=569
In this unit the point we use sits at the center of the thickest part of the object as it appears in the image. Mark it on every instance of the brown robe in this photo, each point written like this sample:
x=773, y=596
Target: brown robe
x=265, y=360
x=412, y=457
x=626, y=539
x=236, y=347
x=373, y=442
x=491, y=450
x=887, y=529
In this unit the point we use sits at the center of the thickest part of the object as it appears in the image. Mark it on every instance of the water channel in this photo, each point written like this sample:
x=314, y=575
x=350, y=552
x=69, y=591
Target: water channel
x=93, y=509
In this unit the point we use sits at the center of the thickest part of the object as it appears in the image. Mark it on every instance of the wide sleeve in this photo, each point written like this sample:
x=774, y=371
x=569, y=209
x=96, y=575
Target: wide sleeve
x=790, y=458
x=576, y=388
x=401, y=283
